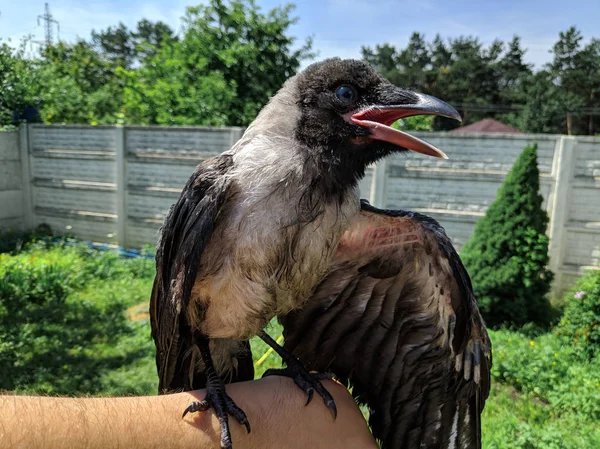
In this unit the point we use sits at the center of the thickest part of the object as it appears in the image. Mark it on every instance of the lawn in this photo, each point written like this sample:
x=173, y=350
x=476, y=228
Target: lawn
x=74, y=321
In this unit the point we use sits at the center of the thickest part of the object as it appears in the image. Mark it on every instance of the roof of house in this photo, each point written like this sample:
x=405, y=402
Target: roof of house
x=487, y=125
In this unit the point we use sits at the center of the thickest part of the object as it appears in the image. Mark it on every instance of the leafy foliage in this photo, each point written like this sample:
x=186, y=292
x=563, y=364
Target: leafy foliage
x=14, y=241
x=580, y=324
x=17, y=78
x=229, y=58
x=495, y=81
x=63, y=324
x=415, y=123
x=507, y=254
x=254, y=54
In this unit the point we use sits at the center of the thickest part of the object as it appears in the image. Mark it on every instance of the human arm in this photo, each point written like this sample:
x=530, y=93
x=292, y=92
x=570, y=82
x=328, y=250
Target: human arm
x=274, y=405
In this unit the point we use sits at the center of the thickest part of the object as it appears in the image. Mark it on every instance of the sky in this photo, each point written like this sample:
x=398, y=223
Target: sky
x=339, y=27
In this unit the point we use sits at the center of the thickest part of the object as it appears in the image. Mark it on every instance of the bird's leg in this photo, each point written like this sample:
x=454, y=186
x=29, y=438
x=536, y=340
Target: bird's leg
x=216, y=397
x=307, y=381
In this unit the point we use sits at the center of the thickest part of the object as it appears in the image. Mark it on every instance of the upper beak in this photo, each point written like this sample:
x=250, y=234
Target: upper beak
x=394, y=106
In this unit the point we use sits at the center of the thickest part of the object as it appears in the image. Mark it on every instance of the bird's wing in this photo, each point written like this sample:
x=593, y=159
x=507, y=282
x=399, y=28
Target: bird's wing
x=185, y=234
x=397, y=318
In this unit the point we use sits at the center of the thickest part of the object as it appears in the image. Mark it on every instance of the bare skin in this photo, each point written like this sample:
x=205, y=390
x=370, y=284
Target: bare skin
x=274, y=405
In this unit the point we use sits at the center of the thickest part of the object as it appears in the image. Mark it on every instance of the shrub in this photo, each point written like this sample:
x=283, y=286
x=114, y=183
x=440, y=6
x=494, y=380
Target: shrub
x=580, y=324
x=12, y=241
x=507, y=254
x=64, y=324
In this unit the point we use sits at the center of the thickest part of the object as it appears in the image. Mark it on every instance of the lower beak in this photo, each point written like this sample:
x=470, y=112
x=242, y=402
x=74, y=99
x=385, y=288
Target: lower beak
x=379, y=118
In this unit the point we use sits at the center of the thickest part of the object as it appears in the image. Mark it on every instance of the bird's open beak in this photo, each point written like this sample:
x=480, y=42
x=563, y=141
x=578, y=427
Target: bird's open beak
x=378, y=119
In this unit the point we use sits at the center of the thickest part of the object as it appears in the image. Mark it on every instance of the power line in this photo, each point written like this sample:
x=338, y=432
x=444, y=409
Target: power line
x=48, y=22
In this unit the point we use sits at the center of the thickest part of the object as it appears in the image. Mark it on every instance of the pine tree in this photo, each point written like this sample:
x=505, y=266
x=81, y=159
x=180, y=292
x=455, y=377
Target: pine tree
x=507, y=255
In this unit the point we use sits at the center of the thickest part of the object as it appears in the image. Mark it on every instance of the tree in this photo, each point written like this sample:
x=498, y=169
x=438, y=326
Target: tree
x=514, y=72
x=507, y=255
x=563, y=97
x=251, y=50
x=474, y=75
x=384, y=60
x=116, y=44
x=460, y=71
x=230, y=60
x=151, y=36
x=78, y=85
x=123, y=47
x=414, y=62
x=576, y=71
x=17, y=85
x=543, y=111
x=588, y=61
x=441, y=60
x=229, y=57
x=166, y=91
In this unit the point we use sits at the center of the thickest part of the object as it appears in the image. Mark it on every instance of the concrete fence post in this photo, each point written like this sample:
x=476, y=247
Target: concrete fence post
x=121, y=161
x=378, y=194
x=235, y=134
x=562, y=173
x=28, y=212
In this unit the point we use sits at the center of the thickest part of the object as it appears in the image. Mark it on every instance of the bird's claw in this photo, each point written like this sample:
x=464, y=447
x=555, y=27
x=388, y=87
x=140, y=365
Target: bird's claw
x=308, y=382
x=217, y=399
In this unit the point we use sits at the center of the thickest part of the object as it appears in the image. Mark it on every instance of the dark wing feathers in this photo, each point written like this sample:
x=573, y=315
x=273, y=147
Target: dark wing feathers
x=185, y=234
x=397, y=319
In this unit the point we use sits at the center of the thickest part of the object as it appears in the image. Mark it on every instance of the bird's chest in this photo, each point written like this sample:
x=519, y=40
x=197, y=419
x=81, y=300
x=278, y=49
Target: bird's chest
x=267, y=262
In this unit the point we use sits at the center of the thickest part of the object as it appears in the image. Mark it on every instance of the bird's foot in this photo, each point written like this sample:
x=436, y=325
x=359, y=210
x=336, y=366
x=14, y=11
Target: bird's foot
x=217, y=399
x=308, y=382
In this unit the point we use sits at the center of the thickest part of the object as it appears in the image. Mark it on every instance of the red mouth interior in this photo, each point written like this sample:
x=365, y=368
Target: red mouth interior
x=378, y=120
x=383, y=116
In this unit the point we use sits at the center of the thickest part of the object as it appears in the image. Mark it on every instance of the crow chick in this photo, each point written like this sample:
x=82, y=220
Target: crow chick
x=257, y=228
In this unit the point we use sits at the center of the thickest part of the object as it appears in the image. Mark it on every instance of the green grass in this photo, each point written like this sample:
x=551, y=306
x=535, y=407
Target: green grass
x=74, y=321
x=543, y=395
x=517, y=421
x=259, y=348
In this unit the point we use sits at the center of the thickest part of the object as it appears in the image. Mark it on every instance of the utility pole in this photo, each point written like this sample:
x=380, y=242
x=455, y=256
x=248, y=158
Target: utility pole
x=48, y=22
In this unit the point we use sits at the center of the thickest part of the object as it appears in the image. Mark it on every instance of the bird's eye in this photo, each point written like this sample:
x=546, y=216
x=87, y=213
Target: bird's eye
x=346, y=94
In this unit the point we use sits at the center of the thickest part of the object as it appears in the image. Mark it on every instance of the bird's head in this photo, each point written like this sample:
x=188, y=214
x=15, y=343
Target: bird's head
x=346, y=109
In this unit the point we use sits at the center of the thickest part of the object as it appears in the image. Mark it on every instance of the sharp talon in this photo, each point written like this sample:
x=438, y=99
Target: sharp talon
x=331, y=406
x=198, y=406
x=310, y=393
x=307, y=382
x=238, y=414
x=324, y=376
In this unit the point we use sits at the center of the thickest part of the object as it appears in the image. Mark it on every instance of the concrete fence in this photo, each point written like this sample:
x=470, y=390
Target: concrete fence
x=114, y=184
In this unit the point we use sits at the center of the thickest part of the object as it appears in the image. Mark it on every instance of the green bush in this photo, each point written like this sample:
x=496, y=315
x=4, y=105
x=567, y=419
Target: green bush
x=580, y=324
x=13, y=241
x=64, y=324
x=507, y=254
